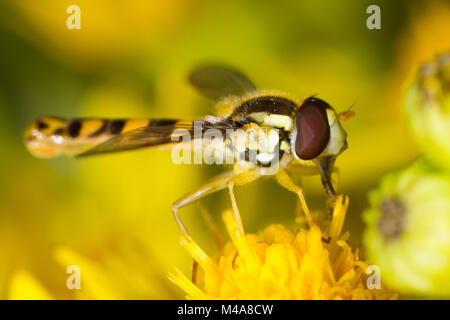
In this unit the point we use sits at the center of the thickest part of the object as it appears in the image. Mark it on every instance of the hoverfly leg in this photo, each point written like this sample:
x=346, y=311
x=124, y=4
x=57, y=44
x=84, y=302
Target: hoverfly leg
x=194, y=272
x=211, y=225
x=326, y=167
x=218, y=183
x=286, y=182
x=332, y=198
x=240, y=179
x=335, y=177
x=298, y=209
x=237, y=215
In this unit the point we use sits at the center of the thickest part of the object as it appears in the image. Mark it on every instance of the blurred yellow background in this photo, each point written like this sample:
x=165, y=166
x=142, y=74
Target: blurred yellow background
x=111, y=215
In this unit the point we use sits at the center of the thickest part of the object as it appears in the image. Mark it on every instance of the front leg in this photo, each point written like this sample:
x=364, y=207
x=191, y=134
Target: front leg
x=326, y=166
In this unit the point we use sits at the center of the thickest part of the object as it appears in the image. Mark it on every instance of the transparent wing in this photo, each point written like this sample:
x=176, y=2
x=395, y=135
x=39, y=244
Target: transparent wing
x=216, y=81
x=151, y=136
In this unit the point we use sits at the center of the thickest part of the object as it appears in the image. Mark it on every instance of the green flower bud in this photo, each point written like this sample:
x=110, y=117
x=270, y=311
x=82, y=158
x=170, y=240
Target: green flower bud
x=408, y=231
x=427, y=109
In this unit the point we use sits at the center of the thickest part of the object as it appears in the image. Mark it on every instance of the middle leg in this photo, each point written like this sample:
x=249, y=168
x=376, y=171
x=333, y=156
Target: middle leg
x=285, y=181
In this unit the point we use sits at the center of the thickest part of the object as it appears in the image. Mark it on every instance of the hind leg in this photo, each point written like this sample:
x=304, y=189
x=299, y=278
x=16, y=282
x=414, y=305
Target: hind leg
x=215, y=184
x=211, y=225
x=240, y=179
x=228, y=179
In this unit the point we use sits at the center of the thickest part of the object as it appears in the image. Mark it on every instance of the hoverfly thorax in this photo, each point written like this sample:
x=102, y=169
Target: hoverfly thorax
x=317, y=132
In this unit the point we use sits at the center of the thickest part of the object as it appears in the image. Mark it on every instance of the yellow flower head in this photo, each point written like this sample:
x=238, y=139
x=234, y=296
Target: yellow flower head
x=282, y=264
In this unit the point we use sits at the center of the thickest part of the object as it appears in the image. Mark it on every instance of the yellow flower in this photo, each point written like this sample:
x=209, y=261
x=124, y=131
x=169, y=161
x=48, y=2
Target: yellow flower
x=282, y=264
x=124, y=270
x=24, y=286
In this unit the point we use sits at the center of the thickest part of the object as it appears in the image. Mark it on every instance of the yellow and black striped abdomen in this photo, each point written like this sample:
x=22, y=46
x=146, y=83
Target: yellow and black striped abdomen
x=49, y=137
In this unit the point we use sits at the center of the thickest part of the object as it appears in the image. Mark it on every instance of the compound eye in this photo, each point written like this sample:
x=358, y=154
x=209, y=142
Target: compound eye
x=313, y=130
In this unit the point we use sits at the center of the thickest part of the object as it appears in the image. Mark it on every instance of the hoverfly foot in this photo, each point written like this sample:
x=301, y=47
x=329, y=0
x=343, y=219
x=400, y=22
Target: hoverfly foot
x=331, y=203
x=194, y=272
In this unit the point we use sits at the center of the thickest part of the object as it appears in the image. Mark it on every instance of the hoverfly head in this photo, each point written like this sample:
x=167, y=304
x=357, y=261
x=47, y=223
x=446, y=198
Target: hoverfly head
x=318, y=132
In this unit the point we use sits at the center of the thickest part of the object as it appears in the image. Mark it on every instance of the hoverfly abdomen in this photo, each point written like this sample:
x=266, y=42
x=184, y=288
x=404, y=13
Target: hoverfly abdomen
x=48, y=137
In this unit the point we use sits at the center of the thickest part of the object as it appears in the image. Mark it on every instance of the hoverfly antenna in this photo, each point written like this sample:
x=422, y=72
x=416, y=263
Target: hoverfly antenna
x=348, y=114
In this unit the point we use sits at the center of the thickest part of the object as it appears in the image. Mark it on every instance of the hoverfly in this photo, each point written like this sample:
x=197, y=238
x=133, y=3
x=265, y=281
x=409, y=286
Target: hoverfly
x=310, y=134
